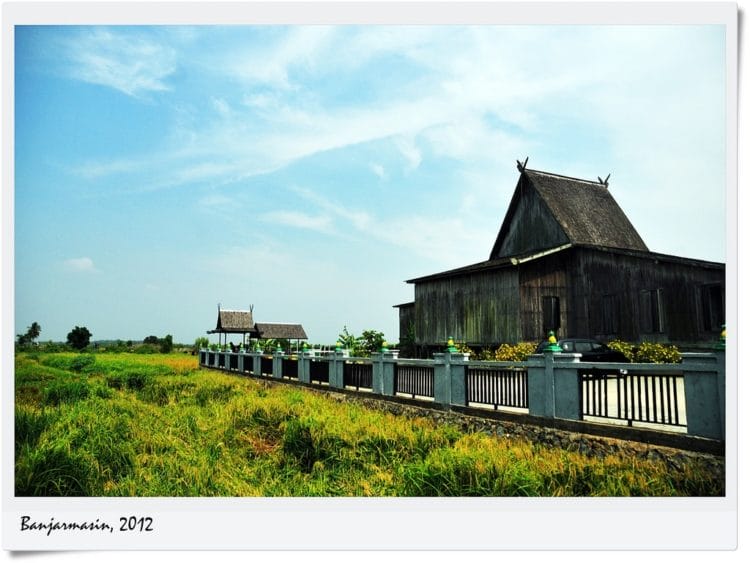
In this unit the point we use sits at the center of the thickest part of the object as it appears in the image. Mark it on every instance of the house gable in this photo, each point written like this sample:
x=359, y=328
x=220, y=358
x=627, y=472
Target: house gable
x=548, y=210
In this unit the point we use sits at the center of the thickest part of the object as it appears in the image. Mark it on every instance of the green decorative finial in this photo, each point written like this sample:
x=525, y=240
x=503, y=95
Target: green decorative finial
x=278, y=347
x=384, y=346
x=304, y=347
x=451, y=346
x=552, y=343
x=338, y=346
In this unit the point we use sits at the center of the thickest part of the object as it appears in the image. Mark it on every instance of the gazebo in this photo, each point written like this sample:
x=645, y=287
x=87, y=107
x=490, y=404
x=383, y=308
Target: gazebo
x=234, y=322
x=241, y=322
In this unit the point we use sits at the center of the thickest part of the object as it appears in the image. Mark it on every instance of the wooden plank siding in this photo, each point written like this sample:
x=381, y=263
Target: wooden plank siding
x=544, y=277
x=596, y=275
x=480, y=309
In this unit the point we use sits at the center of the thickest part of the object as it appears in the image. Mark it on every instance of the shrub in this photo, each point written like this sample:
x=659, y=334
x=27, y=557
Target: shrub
x=648, y=352
x=54, y=470
x=29, y=424
x=628, y=350
x=83, y=362
x=136, y=380
x=65, y=392
x=518, y=353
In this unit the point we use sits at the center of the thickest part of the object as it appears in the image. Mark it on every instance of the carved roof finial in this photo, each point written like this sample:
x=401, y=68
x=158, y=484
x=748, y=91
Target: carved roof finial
x=522, y=167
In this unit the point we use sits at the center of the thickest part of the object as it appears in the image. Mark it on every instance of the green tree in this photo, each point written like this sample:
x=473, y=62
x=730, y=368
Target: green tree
x=32, y=333
x=166, y=344
x=370, y=341
x=79, y=337
x=151, y=340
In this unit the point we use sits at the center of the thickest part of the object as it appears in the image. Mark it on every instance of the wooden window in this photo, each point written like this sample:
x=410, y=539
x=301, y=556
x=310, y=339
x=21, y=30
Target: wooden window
x=652, y=313
x=712, y=306
x=550, y=313
x=610, y=314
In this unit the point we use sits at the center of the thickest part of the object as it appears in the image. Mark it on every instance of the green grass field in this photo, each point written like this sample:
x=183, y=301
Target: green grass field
x=156, y=425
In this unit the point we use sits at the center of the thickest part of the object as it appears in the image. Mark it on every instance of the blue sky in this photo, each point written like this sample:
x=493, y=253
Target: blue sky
x=310, y=170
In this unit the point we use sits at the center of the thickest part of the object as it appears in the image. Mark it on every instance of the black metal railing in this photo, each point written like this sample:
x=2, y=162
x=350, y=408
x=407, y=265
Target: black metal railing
x=358, y=375
x=211, y=358
x=222, y=359
x=233, y=361
x=497, y=386
x=634, y=397
x=318, y=371
x=289, y=368
x=202, y=357
x=249, y=364
x=415, y=380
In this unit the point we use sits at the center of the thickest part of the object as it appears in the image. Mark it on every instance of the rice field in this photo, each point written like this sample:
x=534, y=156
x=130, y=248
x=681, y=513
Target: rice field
x=155, y=425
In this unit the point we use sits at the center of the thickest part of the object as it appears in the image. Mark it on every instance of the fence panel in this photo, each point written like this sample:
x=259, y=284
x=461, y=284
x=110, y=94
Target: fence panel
x=248, y=365
x=233, y=362
x=318, y=371
x=222, y=359
x=289, y=368
x=415, y=380
x=266, y=365
x=358, y=375
x=499, y=386
x=657, y=398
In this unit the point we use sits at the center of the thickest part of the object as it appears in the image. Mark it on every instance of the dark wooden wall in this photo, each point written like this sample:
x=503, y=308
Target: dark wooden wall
x=480, y=309
x=594, y=274
x=544, y=277
x=530, y=210
x=505, y=305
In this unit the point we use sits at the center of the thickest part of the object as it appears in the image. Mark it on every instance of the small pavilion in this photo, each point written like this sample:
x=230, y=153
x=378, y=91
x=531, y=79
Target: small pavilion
x=241, y=323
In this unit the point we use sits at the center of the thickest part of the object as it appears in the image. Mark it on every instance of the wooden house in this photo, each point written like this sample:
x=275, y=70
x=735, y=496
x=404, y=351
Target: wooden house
x=567, y=259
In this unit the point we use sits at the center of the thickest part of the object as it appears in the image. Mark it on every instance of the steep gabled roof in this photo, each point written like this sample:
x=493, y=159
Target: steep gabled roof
x=548, y=210
x=235, y=321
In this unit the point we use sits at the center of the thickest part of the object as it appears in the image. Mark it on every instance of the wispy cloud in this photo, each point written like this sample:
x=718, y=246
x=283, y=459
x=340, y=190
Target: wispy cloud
x=84, y=265
x=299, y=220
x=378, y=170
x=131, y=64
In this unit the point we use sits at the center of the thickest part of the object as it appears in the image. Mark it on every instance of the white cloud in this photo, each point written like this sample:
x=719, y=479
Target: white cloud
x=378, y=170
x=410, y=152
x=83, y=264
x=299, y=220
x=131, y=64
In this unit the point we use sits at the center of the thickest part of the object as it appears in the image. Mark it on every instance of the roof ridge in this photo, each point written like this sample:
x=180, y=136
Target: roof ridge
x=563, y=176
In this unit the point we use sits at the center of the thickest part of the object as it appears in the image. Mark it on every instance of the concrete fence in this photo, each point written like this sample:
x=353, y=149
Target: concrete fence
x=688, y=397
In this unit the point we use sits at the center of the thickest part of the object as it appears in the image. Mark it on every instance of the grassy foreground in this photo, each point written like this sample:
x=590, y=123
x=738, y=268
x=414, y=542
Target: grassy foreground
x=155, y=425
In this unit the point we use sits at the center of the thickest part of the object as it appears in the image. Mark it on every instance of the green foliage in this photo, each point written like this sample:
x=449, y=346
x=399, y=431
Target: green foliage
x=151, y=340
x=648, y=352
x=510, y=353
x=182, y=431
x=31, y=334
x=166, y=344
x=201, y=343
x=84, y=362
x=624, y=347
x=66, y=392
x=367, y=343
x=79, y=337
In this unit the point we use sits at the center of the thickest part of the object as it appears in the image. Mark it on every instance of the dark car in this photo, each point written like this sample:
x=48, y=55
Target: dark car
x=591, y=350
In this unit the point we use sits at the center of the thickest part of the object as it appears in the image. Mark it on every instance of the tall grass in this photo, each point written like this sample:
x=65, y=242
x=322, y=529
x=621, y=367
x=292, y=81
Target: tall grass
x=155, y=425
